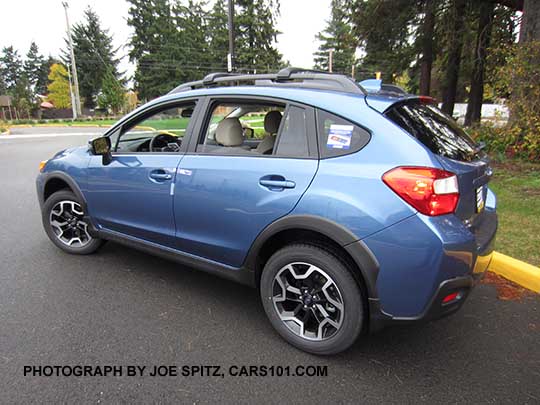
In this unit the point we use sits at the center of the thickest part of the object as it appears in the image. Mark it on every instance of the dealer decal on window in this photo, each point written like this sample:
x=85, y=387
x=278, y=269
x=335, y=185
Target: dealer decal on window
x=339, y=137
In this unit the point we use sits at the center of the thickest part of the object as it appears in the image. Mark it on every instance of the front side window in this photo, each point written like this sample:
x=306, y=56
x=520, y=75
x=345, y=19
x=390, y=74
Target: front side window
x=161, y=131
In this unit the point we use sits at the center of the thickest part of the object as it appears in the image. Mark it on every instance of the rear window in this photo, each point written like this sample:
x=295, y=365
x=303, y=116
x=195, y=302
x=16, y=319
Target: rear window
x=338, y=137
x=438, y=132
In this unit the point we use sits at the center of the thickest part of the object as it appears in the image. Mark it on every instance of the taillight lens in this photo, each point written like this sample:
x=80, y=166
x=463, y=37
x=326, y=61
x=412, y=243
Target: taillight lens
x=430, y=191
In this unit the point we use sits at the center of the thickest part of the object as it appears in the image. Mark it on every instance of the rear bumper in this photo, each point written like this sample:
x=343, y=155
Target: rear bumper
x=436, y=309
x=429, y=260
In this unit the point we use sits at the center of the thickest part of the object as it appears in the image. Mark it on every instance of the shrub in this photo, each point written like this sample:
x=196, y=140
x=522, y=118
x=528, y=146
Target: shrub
x=518, y=80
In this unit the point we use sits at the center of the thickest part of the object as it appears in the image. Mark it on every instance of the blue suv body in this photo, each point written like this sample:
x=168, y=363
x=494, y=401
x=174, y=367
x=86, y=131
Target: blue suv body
x=366, y=209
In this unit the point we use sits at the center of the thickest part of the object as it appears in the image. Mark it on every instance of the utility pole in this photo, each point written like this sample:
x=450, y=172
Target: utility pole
x=77, y=110
x=230, y=56
x=73, y=108
x=330, y=59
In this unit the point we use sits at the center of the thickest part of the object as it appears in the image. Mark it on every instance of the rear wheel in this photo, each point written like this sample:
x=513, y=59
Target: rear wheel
x=312, y=299
x=65, y=225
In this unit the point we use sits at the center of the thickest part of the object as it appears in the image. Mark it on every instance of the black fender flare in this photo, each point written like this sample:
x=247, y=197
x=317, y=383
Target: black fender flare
x=357, y=249
x=48, y=176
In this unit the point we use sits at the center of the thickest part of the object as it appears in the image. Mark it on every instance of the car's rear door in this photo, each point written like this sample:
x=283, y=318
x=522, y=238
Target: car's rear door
x=224, y=198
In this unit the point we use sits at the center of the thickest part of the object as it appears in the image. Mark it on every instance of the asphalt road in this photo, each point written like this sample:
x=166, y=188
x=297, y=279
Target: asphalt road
x=123, y=307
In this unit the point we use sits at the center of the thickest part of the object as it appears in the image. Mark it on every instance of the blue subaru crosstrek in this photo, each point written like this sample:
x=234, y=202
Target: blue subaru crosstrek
x=349, y=207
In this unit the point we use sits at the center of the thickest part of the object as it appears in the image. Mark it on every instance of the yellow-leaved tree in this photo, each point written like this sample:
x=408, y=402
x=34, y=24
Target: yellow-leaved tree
x=59, y=87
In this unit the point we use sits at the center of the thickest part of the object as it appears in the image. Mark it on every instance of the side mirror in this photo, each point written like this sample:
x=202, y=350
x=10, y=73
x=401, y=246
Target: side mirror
x=102, y=146
x=249, y=132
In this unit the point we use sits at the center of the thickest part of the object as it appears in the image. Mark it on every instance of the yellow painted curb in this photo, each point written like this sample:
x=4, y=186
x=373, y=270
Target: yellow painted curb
x=524, y=274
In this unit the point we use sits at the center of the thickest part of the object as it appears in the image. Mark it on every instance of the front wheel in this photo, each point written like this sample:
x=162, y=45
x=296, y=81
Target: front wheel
x=312, y=299
x=65, y=225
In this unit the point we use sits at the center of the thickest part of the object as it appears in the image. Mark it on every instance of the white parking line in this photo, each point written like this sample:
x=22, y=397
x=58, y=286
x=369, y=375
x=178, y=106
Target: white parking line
x=11, y=137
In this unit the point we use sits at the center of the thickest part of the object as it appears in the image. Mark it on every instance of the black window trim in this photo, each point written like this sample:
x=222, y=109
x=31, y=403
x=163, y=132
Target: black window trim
x=207, y=108
x=350, y=152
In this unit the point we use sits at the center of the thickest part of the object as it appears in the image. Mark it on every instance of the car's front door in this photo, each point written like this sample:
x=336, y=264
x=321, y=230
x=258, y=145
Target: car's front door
x=132, y=194
x=226, y=195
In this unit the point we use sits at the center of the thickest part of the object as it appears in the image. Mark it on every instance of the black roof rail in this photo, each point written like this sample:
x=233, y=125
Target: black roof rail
x=285, y=73
x=287, y=77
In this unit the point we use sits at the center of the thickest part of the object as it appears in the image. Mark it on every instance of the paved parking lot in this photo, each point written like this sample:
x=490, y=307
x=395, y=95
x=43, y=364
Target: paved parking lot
x=122, y=307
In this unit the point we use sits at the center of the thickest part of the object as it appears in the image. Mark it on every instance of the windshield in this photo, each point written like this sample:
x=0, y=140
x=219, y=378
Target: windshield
x=438, y=132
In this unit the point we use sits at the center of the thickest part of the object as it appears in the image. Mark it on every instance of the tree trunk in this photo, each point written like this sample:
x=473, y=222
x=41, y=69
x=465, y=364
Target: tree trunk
x=476, y=96
x=454, y=56
x=530, y=25
x=426, y=62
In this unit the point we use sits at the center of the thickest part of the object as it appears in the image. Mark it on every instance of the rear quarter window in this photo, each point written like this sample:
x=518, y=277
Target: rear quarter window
x=338, y=136
x=438, y=132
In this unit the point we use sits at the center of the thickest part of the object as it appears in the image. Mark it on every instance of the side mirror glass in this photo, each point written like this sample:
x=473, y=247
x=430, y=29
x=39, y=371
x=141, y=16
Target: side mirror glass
x=249, y=132
x=102, y=147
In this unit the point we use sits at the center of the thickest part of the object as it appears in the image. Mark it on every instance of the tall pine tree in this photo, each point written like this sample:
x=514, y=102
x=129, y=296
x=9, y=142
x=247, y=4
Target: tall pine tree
x=11, y=67
x=218, y=35
x=338, y=37
x=256, y=34
x=95, y=56
x=154, y=47
x=33, y=65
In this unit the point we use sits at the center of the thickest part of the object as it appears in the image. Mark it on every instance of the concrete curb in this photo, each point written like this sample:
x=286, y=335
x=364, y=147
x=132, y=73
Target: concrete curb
x=524, y=274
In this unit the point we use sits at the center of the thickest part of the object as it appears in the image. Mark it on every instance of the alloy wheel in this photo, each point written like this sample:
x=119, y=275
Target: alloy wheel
x=308, y=301
x=67, y=223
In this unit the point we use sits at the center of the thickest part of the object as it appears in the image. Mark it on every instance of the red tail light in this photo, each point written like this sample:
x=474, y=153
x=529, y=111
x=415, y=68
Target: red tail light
x=430, y=191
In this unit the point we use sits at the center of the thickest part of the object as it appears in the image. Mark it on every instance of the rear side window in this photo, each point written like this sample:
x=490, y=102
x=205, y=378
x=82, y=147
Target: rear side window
x=293, y=138
x=438, y=132
x=338, y=137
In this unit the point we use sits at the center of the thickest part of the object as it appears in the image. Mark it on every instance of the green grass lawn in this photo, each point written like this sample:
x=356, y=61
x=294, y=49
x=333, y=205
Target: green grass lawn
x=517, y=186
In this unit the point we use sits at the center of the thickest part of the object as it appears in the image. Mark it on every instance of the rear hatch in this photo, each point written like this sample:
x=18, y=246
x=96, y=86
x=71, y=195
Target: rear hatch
x=457, y=153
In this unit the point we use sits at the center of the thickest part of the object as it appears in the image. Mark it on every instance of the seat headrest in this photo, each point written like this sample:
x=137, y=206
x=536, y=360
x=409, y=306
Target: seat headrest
x=229, y=132
x=272, y=120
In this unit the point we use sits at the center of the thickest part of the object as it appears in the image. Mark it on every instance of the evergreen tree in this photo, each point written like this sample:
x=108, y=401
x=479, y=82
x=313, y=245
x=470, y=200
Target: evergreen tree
x=218, y=36
x=337, y=36
x=3, y=87
x=11, y=66
x=112, y=96
x=58, y=88
x=256, y=35
x=384, y=29
x=33, y=65
x=95, y=56
x=43, y=78
x=194, y=59
x=154, y=47
x=23, y=97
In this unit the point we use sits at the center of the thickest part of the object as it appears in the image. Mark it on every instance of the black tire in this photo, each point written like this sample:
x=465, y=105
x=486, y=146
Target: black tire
x=351, y=296
x=90, y=245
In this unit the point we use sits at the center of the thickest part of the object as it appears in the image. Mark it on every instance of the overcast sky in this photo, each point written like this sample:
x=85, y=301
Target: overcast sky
x=43, y=21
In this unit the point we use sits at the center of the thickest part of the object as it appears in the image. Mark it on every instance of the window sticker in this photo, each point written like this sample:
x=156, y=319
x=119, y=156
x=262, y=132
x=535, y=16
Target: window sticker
x=339, y=137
